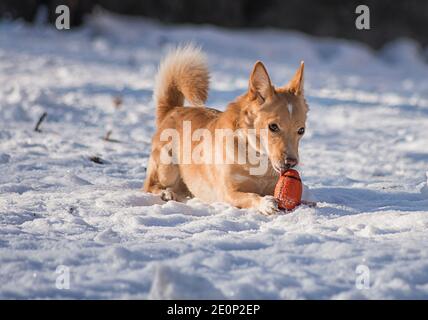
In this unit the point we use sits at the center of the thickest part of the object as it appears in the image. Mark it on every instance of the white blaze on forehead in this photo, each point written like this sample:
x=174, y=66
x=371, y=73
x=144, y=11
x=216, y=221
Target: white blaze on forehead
x=290, y=107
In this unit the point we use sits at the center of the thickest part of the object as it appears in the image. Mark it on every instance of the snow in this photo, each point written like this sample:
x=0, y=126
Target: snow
x=364, y=159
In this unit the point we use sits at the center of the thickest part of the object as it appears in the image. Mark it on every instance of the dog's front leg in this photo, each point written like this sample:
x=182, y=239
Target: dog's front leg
x=267, y=205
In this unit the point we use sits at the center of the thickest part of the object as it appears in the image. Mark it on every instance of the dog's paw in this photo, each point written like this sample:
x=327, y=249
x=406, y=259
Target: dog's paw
x=268, y=206
x=168, y=195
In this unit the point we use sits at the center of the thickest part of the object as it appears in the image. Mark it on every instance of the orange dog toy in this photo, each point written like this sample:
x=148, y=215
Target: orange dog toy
x=288, y=190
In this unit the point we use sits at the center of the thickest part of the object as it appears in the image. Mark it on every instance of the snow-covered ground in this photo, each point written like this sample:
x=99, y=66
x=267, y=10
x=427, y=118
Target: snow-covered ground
x=365, y=158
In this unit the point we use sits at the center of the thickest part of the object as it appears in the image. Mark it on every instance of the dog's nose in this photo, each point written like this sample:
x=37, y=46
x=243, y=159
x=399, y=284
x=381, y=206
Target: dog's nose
x=290, y=162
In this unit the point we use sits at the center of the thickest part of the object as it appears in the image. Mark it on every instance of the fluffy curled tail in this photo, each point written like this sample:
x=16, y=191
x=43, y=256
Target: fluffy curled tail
x=183, y=74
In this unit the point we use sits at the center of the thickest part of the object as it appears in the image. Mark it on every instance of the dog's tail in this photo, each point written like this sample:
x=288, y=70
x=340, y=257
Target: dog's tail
x=183, y=74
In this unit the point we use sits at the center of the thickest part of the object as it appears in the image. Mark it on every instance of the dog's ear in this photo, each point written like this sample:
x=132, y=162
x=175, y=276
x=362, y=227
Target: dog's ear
x=295, y=86
x=260, y=87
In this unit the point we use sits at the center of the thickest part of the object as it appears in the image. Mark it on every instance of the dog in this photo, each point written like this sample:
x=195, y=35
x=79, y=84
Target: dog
x=279, y=112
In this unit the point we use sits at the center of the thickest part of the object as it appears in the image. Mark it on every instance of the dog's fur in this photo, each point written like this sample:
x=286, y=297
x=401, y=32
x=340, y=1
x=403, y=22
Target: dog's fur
x=183, y=74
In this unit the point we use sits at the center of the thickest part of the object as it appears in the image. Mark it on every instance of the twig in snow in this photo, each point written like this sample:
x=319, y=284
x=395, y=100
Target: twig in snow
x=117, y=101
x=97, y=160
x=107, y=137
x=41, y=119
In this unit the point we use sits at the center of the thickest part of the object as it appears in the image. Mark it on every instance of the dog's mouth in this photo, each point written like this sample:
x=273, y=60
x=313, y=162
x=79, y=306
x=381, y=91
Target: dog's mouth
x=282, y=167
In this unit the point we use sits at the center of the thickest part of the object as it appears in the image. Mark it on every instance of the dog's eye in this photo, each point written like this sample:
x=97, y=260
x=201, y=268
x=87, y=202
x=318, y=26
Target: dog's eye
x=273, y=127
x=301, y=131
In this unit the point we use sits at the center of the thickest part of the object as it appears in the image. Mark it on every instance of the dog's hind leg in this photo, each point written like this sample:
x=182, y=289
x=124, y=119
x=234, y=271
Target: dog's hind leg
x=165, y=180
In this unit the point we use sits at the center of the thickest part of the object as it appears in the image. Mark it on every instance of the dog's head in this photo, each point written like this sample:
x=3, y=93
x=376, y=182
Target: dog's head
x=281, y=112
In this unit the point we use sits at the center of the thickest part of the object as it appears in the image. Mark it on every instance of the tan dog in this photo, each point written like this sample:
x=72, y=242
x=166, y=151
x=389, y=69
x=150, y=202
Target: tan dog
x=278, y=112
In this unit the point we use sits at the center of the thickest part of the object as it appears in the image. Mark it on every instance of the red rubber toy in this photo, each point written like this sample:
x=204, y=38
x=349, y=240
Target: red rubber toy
x=288, y=190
